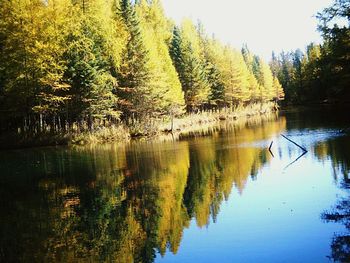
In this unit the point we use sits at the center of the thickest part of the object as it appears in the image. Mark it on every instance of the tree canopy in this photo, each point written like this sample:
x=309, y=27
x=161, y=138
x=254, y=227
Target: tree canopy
x=86, y=63
x=322, y=72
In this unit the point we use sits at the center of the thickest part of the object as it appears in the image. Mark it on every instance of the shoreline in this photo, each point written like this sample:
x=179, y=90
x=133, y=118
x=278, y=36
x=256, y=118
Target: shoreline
x=189, y=125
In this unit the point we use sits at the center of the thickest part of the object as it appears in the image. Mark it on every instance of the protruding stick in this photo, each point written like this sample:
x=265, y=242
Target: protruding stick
x=294, y=143
x=270, y=149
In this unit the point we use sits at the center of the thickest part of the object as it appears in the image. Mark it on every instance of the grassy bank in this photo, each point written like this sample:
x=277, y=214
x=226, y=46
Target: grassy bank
x=196, y=122
x=187, y=125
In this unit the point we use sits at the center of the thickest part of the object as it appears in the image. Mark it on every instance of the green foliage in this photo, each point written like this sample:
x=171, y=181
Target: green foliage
x=187, y=53
x=234, y=81
x=322, y=73
x=32, y=47
x=92, y=85
x=75, y=65
x=235, y=77
x=134, y=74
x=164, y=82
x=278, y=92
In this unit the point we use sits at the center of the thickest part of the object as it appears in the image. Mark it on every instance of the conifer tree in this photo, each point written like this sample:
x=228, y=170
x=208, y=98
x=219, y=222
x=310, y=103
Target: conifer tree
x=254, y=87
x=186, y=53
x=252, y=64
x=50, y=43
x=165, y=84
x=278, y=90
x=134, y=75
x=175, y=52
x=67, y=62
x=248, y=57
x=235, y=76
x=264, y=77
x=217, y=88
x=211, y=49
x=274, y=64
x=88, y=72
x=32, y=64
x=312, y=72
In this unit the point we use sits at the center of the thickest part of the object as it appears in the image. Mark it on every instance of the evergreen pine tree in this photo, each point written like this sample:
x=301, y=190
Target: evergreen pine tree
x=88, y=70
x=252, y=64
x=165, y=85
x=185, y=50
x=133, y=75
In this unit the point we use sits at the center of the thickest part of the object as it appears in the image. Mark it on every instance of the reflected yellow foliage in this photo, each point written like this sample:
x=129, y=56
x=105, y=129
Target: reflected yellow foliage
x=171, y=188
x=219, y=162
x=126, y=203
x=321, y=150
x=335, y=150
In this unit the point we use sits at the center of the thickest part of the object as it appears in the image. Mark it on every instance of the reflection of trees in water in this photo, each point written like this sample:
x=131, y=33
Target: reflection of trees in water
x=341, y=242
x=337, y=151
x=117, y=203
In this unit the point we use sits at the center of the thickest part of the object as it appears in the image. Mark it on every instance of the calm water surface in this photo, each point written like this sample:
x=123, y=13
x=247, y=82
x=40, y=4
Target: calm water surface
x=219, y=198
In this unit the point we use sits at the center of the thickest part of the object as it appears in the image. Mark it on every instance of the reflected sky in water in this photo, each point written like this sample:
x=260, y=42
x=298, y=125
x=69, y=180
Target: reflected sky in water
x=218, y=198
x=276, y=217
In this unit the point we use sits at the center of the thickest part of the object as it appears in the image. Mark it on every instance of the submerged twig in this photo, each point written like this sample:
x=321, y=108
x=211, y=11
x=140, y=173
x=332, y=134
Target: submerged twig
x=305, y=151
x=270, y=149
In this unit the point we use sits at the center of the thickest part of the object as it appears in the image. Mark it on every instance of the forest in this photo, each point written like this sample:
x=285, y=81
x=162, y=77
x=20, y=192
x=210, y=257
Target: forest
x=75, y=65
x=322, y=72
x=82, y=71
x=71, y=66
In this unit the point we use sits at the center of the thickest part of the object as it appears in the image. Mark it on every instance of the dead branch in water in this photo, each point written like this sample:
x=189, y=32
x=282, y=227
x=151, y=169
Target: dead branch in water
x=294, y=143
x=270, y=149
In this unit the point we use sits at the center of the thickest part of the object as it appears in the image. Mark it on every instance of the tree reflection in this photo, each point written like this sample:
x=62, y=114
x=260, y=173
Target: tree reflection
x=121, y=204
x=337, y=150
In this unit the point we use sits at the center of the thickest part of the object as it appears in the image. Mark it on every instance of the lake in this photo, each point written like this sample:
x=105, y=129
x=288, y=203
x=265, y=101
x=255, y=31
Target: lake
x=223, y=197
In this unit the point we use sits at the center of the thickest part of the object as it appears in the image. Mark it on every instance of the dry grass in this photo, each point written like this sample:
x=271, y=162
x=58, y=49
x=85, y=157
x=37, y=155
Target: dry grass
x=204, y=120
x=197, y=123
x=102, y=135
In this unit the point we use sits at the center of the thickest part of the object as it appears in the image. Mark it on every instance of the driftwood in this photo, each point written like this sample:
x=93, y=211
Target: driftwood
x=304, y=151
x=294, y=143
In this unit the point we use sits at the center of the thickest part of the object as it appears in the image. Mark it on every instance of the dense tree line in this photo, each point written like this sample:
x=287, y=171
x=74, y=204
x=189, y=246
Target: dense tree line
x=82, y=63
x=322, y=72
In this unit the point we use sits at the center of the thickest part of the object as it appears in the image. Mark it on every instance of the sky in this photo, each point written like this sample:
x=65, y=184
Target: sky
x=264, y=25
